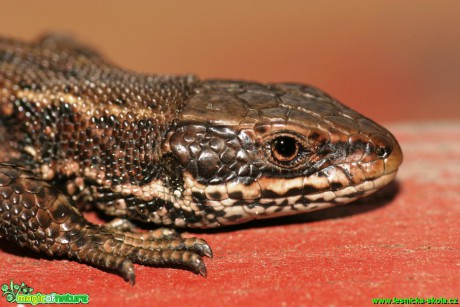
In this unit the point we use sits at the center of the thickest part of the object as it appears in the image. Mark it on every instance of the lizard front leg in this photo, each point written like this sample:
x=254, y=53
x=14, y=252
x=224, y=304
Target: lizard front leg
x=34, y=215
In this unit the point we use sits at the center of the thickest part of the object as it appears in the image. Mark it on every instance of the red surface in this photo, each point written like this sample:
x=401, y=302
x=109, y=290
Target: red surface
x=402, y=242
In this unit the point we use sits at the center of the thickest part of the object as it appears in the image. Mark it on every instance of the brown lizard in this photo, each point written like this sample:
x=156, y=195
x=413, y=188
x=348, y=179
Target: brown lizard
x=79, y=133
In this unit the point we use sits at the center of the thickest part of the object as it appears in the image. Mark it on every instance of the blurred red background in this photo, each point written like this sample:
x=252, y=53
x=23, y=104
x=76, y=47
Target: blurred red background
x=392, y=62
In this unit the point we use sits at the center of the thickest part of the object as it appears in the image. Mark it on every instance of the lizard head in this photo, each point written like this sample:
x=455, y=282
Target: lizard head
x=248, y=151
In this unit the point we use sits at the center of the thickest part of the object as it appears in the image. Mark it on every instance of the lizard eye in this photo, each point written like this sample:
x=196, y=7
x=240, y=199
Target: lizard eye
x=284, y=148
x=285, y=151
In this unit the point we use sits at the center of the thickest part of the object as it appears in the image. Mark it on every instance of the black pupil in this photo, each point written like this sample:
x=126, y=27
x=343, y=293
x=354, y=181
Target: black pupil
x=285, y=146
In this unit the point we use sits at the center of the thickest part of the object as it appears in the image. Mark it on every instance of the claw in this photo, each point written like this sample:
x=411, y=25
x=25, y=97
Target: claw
x=198, y=246
x=202, y=269
x=197, y=264
x=127, y=270
x=207, y=251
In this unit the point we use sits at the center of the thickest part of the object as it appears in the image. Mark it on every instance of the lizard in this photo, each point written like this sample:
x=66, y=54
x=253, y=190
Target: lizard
x=81, y=133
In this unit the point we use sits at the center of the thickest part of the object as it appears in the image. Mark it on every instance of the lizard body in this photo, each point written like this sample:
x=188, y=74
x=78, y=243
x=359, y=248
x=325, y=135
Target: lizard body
x=79, y=132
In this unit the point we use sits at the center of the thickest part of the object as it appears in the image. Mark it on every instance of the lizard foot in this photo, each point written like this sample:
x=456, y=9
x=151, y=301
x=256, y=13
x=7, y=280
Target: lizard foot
x=113, y=249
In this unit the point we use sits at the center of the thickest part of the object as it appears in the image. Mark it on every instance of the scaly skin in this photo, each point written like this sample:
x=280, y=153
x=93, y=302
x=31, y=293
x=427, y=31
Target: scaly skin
x=172, y=150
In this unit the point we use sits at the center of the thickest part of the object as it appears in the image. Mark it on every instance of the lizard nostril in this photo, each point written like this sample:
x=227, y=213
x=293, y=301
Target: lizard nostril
x=383, y=152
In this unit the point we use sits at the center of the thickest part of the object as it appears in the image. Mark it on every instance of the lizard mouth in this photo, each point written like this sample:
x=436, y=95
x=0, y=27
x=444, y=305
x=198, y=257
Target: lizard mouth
x=242, y=210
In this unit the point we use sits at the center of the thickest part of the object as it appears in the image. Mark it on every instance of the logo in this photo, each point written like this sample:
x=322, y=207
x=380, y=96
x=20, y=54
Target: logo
x=22, y=294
